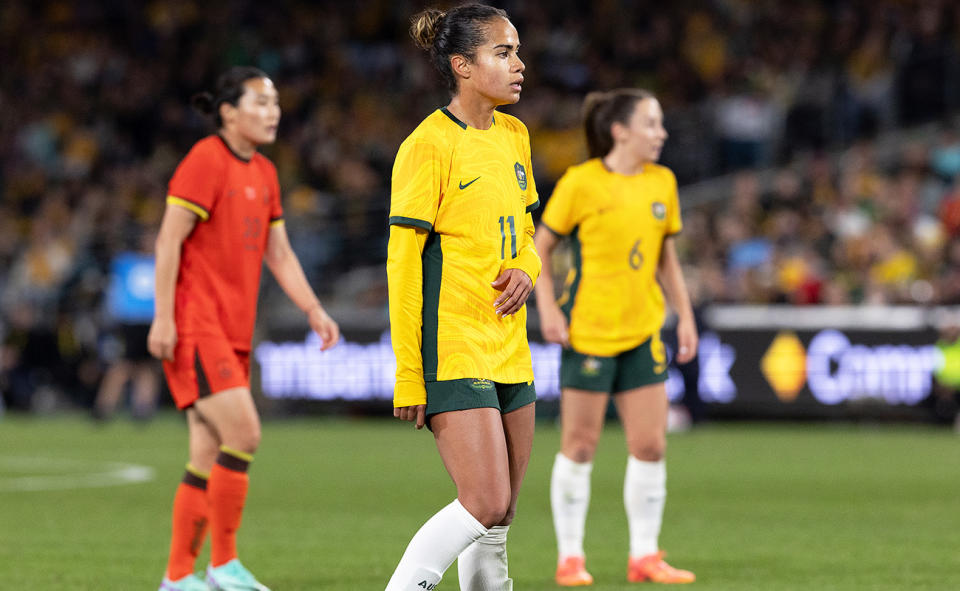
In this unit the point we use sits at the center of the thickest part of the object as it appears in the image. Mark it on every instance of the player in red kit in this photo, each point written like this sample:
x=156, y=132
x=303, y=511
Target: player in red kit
x=222, y=222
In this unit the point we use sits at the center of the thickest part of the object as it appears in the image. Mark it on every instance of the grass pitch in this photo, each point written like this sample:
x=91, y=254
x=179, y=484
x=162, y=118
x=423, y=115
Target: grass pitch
x=333, y=503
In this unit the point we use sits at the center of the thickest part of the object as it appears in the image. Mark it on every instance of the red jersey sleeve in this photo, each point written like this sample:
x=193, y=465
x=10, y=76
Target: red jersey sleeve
x=197, y=181
x=276, y=207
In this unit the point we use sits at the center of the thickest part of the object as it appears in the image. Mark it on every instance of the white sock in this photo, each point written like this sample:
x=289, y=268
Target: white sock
x=570, y=498
x=483, y=565
x=434, y=548
x=644, y=495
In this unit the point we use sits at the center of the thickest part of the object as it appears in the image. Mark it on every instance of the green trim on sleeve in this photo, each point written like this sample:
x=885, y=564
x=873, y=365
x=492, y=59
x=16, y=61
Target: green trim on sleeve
x=404, y=221
x=533, y=206
x=568, y=299
x=432, y=280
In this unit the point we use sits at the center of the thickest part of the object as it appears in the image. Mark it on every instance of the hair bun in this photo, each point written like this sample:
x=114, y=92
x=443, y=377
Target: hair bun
x=203, y=102
x=423, y=27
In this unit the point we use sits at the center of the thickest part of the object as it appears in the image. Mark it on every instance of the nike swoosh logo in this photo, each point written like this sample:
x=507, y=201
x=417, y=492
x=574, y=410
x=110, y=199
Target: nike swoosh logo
x=462, y=186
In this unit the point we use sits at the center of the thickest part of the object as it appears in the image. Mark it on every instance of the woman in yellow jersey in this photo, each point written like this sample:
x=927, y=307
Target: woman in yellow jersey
x=620, y=210
x=460, y=266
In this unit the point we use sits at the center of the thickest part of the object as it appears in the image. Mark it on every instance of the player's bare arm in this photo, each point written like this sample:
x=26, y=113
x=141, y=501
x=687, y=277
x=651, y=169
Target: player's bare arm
x=177, y=224
x=553, y=324
x=285, y=267
x=671, y=278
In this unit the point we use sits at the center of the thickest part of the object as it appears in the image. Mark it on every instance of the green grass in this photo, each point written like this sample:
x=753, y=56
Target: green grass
x=333, y=503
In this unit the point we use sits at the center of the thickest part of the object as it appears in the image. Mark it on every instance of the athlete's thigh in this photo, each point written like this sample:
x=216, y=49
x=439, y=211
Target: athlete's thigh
x=204, y=442
x=473, y=448
x=231, y=413
x=518, y=427
x=581, y=421
x=643, y=412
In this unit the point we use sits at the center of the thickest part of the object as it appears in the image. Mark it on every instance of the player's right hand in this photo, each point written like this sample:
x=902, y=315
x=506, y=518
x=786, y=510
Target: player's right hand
x=415, y=413
x=162, y=339
x=553, y=326
x=325, y=327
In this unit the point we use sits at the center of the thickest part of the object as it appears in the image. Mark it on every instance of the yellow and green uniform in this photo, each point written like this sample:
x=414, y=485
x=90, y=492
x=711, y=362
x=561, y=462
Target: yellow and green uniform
x=617, y=224
x=460, y=216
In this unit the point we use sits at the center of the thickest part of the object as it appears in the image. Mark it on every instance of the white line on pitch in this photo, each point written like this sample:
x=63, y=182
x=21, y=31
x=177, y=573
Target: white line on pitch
x=69, y=474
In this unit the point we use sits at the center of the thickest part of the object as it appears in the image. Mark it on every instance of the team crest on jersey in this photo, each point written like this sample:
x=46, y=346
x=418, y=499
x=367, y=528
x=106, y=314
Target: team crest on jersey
x=224, y=369
x=659, y=210
x=521, y=176
x=590, y=366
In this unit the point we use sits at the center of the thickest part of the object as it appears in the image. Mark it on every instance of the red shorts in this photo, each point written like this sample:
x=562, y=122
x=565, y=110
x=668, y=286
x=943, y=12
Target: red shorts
x=204, y=366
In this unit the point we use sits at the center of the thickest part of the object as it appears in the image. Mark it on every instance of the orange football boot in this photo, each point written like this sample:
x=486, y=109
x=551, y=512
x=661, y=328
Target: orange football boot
x=653, y=568
x=572, y=572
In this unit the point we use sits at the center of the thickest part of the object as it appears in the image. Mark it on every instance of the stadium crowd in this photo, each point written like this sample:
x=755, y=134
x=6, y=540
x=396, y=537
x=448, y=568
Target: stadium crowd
x=798, y=102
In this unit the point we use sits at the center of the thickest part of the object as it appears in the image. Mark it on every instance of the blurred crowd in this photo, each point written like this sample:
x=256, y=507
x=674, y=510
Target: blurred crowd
x=836, y=229
x=94, y=117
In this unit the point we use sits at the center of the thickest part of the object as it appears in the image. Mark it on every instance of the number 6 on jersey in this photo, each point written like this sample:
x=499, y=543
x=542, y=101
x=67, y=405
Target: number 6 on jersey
x=636, y=257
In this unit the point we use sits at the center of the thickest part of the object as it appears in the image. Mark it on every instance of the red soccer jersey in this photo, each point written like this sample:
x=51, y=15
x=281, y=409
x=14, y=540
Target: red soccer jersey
x=219, y=278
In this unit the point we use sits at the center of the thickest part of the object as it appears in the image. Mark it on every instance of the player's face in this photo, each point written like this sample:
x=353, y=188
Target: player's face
x=644, y=134
x=497, y=69
x=257, y=113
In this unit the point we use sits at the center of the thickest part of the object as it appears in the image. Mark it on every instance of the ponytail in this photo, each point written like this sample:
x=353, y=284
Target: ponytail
x=601, y=110
x=423, y=27
x=459, y=31
x=203, y=102
x=229, y=90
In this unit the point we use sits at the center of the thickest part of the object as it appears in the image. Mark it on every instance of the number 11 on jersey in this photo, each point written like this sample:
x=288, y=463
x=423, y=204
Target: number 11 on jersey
x=503, y=237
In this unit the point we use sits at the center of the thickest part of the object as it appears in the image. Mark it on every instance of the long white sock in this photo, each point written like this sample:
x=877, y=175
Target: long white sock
x=483, y=565
x=434, y=548
x=570, y=499
x=644, y=495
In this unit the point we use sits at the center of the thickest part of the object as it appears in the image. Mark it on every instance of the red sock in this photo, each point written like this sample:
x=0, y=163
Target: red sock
x=227, y=493
x=189, y=524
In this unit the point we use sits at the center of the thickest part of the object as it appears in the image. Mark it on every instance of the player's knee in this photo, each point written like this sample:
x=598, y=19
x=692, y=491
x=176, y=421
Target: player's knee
x=649, y=449
x=203, y=458
x=252, y=440
x=580, y=448
x=492, y=515
x=581, y=454
x=246, y=440
x=488, y=507
x=508, y=518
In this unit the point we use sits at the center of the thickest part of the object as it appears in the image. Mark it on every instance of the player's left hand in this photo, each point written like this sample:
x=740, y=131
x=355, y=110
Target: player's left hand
x=686, y=340
x=325, y=327
x=516, y=286
x=416, y=414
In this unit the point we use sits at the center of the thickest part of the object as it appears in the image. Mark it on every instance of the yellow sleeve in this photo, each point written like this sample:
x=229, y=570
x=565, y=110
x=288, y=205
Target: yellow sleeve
x=527, y=259
x=560, y=214
x=417, y=183
x=674, y=223
x=533, y=198
x=405, y=290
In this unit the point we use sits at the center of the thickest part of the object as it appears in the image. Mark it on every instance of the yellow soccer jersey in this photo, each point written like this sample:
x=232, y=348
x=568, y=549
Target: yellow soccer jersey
x=617, y=224
x=473, y=191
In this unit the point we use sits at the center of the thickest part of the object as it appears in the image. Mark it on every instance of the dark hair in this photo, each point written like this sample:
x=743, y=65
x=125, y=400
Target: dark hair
x=229, y=90
x=602, y=109
x=458, y=31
